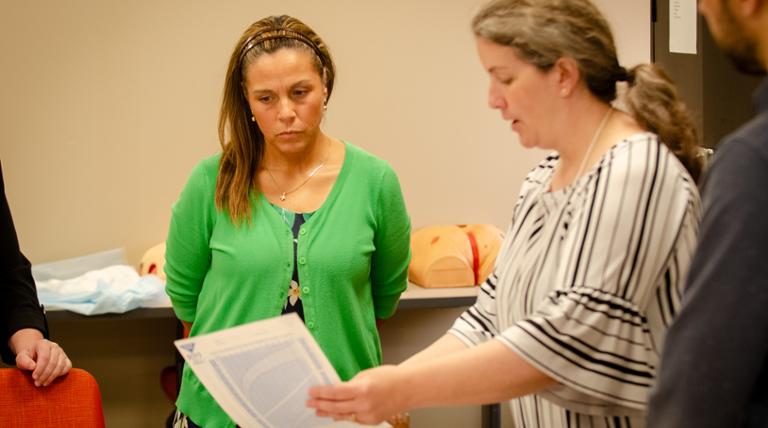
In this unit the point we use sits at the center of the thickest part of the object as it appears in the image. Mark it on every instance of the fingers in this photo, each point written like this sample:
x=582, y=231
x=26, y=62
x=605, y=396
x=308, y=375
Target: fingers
x=343, y=408
x=52, y=362
x=334, y=401
x=62, y=367
x=338, y=392
x=25, y=361
x=367, y=397
x=43, y=352
x=44, y=358
x=331, y=408
x=348, y=417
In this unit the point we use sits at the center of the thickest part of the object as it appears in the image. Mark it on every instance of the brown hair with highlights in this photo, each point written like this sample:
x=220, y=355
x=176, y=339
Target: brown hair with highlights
x=241, y=139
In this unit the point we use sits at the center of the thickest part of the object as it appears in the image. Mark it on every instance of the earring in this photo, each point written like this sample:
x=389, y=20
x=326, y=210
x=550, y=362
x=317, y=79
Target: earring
x=325, y=107
x=563, y=92
x=253, y=119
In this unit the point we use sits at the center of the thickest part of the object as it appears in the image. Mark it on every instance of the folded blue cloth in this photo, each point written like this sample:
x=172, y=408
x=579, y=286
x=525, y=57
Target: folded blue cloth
x=76, y=266
x=114, y=289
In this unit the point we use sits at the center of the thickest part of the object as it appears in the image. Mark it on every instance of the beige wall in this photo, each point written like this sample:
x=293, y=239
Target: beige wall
x=106, y=105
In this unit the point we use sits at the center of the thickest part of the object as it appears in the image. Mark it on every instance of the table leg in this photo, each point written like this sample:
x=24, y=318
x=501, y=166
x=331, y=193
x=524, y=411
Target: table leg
x=491, y=415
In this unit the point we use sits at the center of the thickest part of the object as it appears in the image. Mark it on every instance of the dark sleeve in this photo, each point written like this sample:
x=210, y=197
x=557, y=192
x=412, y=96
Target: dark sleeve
x=18, y=295
x=715, y=352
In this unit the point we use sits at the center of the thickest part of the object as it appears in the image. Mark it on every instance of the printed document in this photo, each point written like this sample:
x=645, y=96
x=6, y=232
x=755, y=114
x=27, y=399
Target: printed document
x=260, y=372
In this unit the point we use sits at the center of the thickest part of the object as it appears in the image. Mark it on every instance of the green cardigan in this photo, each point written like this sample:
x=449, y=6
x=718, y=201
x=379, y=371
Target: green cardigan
x=352, y=256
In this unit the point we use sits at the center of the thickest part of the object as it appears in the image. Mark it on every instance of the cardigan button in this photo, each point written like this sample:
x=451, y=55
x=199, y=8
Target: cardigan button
x=305, y=290
x=302, y=231
x=302, y=260
x=310, y=324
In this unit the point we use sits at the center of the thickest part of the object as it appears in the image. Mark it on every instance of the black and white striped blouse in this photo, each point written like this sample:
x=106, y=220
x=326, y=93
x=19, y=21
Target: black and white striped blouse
x=587, y=282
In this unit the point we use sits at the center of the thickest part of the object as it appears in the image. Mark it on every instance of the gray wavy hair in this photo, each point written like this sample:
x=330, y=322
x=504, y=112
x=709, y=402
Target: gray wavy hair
x=543, y=31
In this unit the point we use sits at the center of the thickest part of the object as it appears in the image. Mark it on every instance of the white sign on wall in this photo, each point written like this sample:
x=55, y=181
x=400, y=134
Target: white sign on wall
x=682, y=26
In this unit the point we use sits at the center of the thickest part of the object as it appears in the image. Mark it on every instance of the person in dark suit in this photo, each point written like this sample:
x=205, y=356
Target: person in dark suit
x=714, y=367
x=22, y=321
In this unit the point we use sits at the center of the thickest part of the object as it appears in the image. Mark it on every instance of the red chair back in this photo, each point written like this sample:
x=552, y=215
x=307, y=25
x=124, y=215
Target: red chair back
x=73, y=400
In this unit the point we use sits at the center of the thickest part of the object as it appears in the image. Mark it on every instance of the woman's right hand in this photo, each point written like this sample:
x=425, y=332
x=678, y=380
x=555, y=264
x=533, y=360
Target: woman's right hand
x=45, y=359
x=369, y=398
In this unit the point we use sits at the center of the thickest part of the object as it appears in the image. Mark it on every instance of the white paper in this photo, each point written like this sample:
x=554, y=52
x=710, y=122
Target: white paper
x=260, y=373
x=682, y=26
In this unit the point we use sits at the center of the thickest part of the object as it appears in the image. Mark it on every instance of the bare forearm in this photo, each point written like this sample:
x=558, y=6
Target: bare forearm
x=487, y=373
x=443, y=346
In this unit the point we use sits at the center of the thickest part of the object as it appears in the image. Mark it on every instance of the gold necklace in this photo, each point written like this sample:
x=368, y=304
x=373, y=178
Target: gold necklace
x=284, y=194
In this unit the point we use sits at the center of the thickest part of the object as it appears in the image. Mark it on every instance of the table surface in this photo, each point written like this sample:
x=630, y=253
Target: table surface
x=414, y=297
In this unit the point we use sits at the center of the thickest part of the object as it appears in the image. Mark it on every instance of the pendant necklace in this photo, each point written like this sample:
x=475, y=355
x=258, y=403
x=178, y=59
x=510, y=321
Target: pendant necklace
x=284, y=194
x=595, y=137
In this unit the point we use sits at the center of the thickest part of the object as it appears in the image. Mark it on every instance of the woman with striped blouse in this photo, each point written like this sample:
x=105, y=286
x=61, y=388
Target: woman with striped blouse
x=570, y=324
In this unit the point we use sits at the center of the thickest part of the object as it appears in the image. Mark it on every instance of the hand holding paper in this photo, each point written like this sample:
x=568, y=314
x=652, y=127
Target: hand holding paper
x=260, y=373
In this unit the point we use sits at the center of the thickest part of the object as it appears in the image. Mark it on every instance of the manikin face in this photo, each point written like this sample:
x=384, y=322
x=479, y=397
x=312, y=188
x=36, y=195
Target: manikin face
x=520, y=91
x=286, y=96
x=730, y=36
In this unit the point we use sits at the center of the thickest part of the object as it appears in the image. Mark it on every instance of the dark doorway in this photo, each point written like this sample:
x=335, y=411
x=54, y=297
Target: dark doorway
x=719, y=97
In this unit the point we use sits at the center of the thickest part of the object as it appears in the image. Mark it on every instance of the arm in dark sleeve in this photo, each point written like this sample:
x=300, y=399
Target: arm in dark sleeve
x=18, y=295
x=716, y=349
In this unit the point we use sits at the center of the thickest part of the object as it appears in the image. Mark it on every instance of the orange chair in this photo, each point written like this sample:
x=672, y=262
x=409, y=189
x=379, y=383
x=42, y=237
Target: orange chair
x=73, y=400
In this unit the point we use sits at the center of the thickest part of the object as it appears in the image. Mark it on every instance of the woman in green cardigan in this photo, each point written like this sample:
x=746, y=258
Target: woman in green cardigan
x=286, y=218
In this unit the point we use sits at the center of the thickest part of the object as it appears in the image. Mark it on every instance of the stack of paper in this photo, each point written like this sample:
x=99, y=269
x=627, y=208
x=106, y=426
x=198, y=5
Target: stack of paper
x=260, y=373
